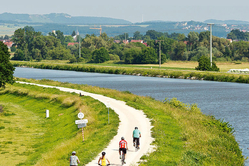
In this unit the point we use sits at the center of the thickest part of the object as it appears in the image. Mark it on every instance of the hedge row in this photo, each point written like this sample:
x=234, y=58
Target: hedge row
x=211, y=76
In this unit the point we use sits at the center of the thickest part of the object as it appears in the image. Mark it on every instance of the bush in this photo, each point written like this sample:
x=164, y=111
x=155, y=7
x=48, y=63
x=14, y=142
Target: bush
x=80, y=59
x=72, y=60
x=100, y=55
x=205, y=65
x=114, y=57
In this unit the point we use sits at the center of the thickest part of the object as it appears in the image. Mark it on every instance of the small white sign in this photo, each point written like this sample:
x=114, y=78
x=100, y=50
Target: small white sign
x=47, y=113
x=81, y=121
x=107, y=104
x=81, y=125
x=80, y=115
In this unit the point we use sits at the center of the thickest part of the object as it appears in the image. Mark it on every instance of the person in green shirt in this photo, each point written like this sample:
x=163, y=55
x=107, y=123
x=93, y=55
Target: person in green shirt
x=136, y=135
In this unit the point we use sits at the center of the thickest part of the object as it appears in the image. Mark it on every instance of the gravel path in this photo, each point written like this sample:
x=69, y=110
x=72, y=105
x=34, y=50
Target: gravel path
x=129, y=119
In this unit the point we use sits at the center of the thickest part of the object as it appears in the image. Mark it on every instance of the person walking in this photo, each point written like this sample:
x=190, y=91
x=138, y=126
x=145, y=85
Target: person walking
x=74, y=160
x=103, y=160
x=136, y=135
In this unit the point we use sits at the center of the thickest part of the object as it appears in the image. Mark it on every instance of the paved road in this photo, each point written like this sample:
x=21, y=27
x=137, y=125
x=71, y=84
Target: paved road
x=129, y=119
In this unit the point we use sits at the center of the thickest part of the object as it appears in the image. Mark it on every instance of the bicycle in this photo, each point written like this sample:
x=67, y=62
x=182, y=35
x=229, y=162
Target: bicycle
x=136, y=145
x=122, y=158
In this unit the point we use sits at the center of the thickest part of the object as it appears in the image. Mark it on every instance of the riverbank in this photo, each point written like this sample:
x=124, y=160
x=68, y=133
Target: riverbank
x=180, y=74
x=183, y=135
x=28, y=138
x=129, y=118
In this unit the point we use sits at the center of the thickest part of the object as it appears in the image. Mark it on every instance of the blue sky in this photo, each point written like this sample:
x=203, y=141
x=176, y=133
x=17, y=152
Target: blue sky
x=136, y=10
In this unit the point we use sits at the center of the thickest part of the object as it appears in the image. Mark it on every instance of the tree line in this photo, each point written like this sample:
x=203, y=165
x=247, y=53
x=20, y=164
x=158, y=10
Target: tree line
x=32, y=45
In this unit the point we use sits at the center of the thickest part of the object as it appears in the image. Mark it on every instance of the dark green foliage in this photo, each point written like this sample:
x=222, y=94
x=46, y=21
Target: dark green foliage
x=236, y=34
x=205, y=65
x=13, y=49
x=100, y=55
x=32, y=45
x=72, y=60
x=6, y=68
x=19, y=55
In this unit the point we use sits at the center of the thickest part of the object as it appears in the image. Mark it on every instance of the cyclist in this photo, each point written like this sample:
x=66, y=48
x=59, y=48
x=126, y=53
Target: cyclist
x=136, y=135
x=103, y=160
x=123, y=147
x=74, y=159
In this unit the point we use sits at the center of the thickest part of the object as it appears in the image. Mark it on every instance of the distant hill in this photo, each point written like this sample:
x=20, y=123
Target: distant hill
x=60, y=18
x=226, y=21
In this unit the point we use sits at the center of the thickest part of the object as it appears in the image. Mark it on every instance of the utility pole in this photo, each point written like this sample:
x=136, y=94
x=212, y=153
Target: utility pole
x=79, y=43
x=160, y=52
x=125, y=38
x=210, y=24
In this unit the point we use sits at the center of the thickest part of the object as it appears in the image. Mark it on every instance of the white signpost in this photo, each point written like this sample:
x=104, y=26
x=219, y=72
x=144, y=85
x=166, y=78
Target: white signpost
x=108, y=106
x=81, y=123
x=47, y=113
x=80, y=115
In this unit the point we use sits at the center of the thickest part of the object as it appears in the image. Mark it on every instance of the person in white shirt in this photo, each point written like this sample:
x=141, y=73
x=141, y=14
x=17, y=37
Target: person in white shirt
x=74, y=160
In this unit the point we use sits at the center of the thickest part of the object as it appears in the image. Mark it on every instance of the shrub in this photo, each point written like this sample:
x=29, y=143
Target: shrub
x=72, y=60
x=205, y=65
x=114, y=57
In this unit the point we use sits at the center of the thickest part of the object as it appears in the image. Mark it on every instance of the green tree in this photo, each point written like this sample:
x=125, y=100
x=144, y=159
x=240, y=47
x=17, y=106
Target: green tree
x=6, y=37
x=153, y=34
x=60, y=53
x=73, y=34
x=19, y=55
x=6, y=68
x=179, y=51
x=13, y=48
x=69, y=39
x=193, y=38
x=18, y=38
x=100, y=55
x=205, y=65
x=148, y=56
x=137, y=35
x=181, y=37
x=131, y=54
x=59, y=35
x=204, y=36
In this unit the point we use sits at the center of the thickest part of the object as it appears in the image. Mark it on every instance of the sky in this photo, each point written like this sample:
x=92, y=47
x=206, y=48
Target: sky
x=136, y=10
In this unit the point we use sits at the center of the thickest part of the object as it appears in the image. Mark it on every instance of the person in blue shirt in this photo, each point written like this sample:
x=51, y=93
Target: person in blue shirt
x=136, y=135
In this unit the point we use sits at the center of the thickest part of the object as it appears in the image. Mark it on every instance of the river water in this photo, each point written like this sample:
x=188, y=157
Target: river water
x=227, y=101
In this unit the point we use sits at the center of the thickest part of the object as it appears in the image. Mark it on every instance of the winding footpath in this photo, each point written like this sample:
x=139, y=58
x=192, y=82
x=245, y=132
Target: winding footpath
x=129, y=119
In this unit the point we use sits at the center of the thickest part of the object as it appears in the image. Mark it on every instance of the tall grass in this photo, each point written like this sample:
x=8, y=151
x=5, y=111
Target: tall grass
x=183, y=135
x=40, y=141
x=211, y=76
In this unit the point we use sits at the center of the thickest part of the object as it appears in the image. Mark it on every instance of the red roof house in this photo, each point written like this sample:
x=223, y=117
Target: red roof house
x=71, y=44
x=135, y=41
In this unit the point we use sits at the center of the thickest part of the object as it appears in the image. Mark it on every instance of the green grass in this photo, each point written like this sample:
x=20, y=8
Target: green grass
x=139, y=66
x=183, y=135
x=28, y=138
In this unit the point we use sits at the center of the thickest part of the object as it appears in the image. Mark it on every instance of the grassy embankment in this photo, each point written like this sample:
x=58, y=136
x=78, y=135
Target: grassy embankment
x=184, y=74
x=173, y=65
x=183, y=135
x=28, y=138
